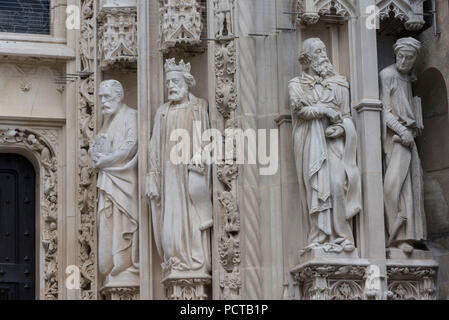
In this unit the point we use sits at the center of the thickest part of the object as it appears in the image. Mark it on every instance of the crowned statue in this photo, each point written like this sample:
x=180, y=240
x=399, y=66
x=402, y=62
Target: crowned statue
x=180, y=193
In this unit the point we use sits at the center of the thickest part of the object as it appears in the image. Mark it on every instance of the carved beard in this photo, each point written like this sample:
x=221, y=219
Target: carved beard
x=323, y=67
x=178, y=94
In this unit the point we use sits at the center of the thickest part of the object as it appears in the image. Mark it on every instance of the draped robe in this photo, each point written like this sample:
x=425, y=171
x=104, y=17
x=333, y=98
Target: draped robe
x=329, y=179
x=118, y=198
x=403, y=184
x=182, y=209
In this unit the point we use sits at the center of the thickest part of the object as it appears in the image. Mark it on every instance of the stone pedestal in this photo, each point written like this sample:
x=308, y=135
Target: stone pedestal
x=187, y=286
x=412, y=279
x=121, y=293
x=330, y=276
x=124, y=286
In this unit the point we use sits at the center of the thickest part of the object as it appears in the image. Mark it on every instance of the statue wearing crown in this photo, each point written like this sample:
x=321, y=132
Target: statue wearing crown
x=179, y=191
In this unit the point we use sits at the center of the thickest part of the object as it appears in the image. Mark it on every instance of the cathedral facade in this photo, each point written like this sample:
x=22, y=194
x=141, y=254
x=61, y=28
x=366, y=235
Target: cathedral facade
x=224, y=150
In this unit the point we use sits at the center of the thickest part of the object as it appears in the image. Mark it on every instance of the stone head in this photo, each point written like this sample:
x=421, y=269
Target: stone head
x=407, y=51
x=314, y=56
x=111, y=94
x=178, y=80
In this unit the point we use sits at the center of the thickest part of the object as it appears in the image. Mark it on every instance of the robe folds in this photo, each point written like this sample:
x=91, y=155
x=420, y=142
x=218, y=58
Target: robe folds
x=329, y=179
x=118, y=198
x=180, y=195
x=403, y=181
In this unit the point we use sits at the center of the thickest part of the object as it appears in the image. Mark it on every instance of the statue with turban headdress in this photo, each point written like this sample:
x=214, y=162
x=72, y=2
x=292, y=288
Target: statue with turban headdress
x=402, y=123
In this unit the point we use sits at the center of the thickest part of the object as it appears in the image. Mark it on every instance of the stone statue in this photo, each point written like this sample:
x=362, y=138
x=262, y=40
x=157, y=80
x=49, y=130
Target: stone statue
x=114, y=154
x=325, y=144
x=223, y=9
x=180, y=194
x=402, y=122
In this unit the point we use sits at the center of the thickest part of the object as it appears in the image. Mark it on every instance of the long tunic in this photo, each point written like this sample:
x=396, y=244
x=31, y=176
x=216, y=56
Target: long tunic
x=118, y=198
x=329, y=180
x=403, y=185
x=182, y=215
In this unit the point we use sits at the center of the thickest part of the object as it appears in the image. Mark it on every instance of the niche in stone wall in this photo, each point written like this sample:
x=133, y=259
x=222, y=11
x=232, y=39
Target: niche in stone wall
x=128, y=78
x=335, y=35
x=392, y=28
x=433, y=147
x=181, y=39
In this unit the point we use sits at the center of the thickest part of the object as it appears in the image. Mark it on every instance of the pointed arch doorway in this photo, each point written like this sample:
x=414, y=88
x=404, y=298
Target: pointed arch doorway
x=17, y=228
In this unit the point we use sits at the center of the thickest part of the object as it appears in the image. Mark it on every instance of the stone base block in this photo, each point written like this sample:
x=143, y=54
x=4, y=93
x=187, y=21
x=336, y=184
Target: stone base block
x=320, y=255
x=128, y=278
x=398, y=254
x=124, y=286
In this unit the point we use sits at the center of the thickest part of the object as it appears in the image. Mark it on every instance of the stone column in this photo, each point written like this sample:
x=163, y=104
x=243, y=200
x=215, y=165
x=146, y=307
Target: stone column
x=367, y=115
x=144, y=63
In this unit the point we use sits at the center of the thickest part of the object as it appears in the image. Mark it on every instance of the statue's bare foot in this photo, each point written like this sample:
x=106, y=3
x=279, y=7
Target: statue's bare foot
x=406, y=248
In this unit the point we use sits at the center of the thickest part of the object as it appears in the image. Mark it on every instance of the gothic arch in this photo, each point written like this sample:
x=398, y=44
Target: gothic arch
x=409, y=11
x=309, y=12
x=36, y=147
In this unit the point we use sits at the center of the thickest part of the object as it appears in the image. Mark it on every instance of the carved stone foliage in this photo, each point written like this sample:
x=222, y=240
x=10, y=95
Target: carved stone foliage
x=86, y=176
x=228, y=171
x=331, y=282
x=310, y=11
x=117, y=41
x=180, y=23
x=46, y=154
x=226, y=91
x=409, y=11
x=187, y=289
x=411, y=283
x=230, y=284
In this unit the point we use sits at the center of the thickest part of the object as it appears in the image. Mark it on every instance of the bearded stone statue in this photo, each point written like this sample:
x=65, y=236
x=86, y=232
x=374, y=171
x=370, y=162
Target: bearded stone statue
x=325, y=143
x=179, y=192
x=114, y=155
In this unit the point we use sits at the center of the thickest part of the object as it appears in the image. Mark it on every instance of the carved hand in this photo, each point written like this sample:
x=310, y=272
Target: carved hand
x=101, y=161
x=333, y=115
x=407, y=139
x=152, y=191
x=334, y=132
x=196, y=164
